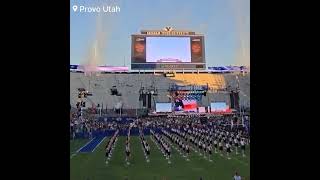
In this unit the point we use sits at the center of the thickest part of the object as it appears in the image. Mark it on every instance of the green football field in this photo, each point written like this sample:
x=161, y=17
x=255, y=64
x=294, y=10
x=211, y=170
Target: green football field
x=92, y=166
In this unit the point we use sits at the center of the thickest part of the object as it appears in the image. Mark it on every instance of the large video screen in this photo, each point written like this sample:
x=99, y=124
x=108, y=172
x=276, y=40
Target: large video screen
x=138, y=49
x=190, y=105
x=168, y=50
x=163, y=107
x=185, y=105
x=219, y=107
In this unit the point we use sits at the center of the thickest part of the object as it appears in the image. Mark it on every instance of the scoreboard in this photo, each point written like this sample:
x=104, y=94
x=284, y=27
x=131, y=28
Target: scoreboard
x=167, y=49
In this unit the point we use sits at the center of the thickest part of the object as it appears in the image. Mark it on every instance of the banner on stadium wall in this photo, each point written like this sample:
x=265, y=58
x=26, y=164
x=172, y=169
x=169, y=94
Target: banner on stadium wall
x=74, y=67
x=222, y=69
x=101, y=68
x=188, y=88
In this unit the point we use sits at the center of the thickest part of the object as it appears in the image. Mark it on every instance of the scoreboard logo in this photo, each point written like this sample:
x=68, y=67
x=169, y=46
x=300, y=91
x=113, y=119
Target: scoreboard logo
x=140, y=39
x=168, y=29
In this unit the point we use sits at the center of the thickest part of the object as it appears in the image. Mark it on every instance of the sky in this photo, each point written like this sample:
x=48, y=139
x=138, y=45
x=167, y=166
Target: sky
x=224, y=23
x=168, y=47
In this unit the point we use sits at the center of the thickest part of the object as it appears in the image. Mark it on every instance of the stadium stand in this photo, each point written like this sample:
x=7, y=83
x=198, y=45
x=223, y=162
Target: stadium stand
x=129, y=85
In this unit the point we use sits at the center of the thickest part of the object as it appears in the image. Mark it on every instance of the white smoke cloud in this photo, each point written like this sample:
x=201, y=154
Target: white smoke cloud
x=241, y=13
x=95, y=55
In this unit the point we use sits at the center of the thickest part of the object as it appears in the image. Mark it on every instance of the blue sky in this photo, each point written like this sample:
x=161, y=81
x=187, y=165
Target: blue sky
x=224, y=23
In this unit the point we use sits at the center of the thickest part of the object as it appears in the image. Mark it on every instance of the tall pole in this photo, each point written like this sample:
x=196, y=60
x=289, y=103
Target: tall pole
x=207, y=93
x=136, y=112
x=238, y=91
x=89, y=85
x=239, y=102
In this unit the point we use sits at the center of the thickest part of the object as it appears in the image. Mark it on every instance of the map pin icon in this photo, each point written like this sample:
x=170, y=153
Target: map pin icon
x=75, y=7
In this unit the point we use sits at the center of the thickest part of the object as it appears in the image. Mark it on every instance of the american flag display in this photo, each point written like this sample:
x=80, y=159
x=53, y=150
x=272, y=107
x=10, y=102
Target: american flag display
x=190, y=105
x=178, y=105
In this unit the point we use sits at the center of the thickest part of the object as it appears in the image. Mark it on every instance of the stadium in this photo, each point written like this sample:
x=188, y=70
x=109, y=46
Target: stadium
x=168, y=117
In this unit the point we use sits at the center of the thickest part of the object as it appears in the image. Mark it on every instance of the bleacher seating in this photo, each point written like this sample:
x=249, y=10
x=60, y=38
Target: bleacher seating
x=214, y=81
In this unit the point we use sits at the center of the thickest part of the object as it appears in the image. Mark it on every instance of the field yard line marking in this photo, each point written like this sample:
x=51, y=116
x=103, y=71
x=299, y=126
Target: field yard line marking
x=72, y=155
x=99, y=143
x=85, y=145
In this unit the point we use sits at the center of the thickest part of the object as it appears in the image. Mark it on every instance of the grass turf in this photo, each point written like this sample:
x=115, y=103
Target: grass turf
x=92, y=166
